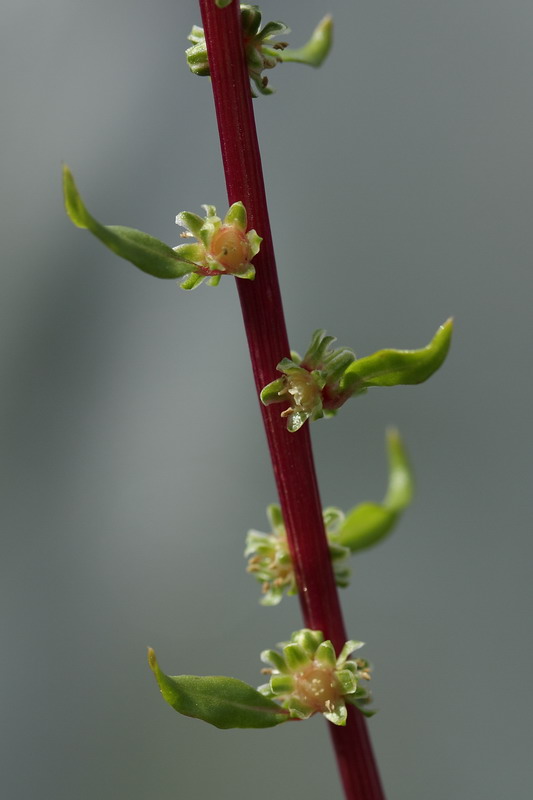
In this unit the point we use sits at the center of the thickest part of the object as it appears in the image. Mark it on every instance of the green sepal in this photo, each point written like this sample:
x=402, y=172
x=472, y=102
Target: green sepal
x=237, y=216
x=223, y=3
x=339, y=714
x=347, y=681
x=222, y=702
x=254, y=240
x=295, y=656
x=144, y=251
x=317, y=48
x=317, y=350
x=349, y=647
x=197, y=58
x=192, y=253
x=281, y=684
x=273, y=29
x=360, y=703
x=325, y=654
x=398, y=367
x=276, y=659
x=274, y=515
x=333, y=518
x=271, y=393
x=196, y=35
x=296, y=419
x=298, y=709
x=308, y=640
x=250, y=19
x=332, y=364
x=192, y=281
x=193, y=222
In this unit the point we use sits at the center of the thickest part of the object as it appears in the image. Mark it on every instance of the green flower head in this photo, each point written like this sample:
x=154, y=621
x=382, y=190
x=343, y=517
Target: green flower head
x=308, y=678
x=223, y=247
x=309, y=384
x=261, y=52
x=270, y=561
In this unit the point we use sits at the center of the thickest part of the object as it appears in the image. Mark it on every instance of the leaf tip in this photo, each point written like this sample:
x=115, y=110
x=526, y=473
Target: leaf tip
x=73, y=204
x=152, y=660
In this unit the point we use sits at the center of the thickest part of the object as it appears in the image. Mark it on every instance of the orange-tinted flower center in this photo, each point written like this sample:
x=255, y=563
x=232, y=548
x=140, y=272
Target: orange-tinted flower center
x=229, y=246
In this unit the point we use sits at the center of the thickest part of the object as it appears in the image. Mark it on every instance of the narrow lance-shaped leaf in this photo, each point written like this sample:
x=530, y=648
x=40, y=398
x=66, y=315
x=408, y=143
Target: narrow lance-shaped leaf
x=398, y=367
x=316, y=50
x=144, y=251
x=369, y=523
x=223, y=702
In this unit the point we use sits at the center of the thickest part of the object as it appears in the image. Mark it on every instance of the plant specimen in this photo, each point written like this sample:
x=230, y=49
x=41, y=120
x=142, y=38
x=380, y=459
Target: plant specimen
x=307, y=550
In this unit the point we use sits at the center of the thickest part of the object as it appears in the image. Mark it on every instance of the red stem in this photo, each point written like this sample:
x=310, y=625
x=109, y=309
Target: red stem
x=262, y=310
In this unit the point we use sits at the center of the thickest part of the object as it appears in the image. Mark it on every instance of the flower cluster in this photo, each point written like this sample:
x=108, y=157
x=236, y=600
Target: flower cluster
x=223, y=247
x=308, y=678
x=270, y=561
x=261, y=52
x=310, y=384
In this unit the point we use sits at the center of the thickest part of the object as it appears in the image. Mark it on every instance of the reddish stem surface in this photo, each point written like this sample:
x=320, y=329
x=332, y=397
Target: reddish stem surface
x=262, y=310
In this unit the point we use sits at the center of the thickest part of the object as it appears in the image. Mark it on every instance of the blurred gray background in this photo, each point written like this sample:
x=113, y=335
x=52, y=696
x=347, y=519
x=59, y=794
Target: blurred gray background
x=400, y=183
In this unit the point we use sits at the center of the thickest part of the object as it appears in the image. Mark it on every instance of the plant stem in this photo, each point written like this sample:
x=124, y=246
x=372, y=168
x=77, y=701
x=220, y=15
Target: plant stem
x=262, y=310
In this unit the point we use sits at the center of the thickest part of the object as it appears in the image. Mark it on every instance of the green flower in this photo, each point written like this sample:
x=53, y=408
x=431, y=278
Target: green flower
x=223, y=247
x=311, y=384
x=308, y=678
x=270, y=561
x=261, y=52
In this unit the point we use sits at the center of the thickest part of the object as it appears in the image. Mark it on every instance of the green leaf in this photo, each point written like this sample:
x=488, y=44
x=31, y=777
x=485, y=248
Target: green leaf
x=369, y=523
x=222, y=3
x=395, y=367
x=145, y=251
x=317, y=48
x=223, y=702
x=365, y=525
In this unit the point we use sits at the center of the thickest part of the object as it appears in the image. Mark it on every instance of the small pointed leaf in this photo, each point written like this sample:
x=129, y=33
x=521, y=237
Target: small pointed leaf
x=145, y=251
x=223, y=702
x=395, y=367
x=317, y=48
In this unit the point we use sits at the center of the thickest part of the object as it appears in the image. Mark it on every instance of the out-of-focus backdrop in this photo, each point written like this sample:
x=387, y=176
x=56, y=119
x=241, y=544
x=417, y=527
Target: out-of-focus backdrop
x=400, y=184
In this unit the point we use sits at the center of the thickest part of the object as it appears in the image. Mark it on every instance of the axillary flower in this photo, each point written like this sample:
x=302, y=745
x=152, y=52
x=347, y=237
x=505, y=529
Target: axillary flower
x=270, y=561
x=308, y=678
x=261, y=53
x=310, y=384
x=223, y=247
